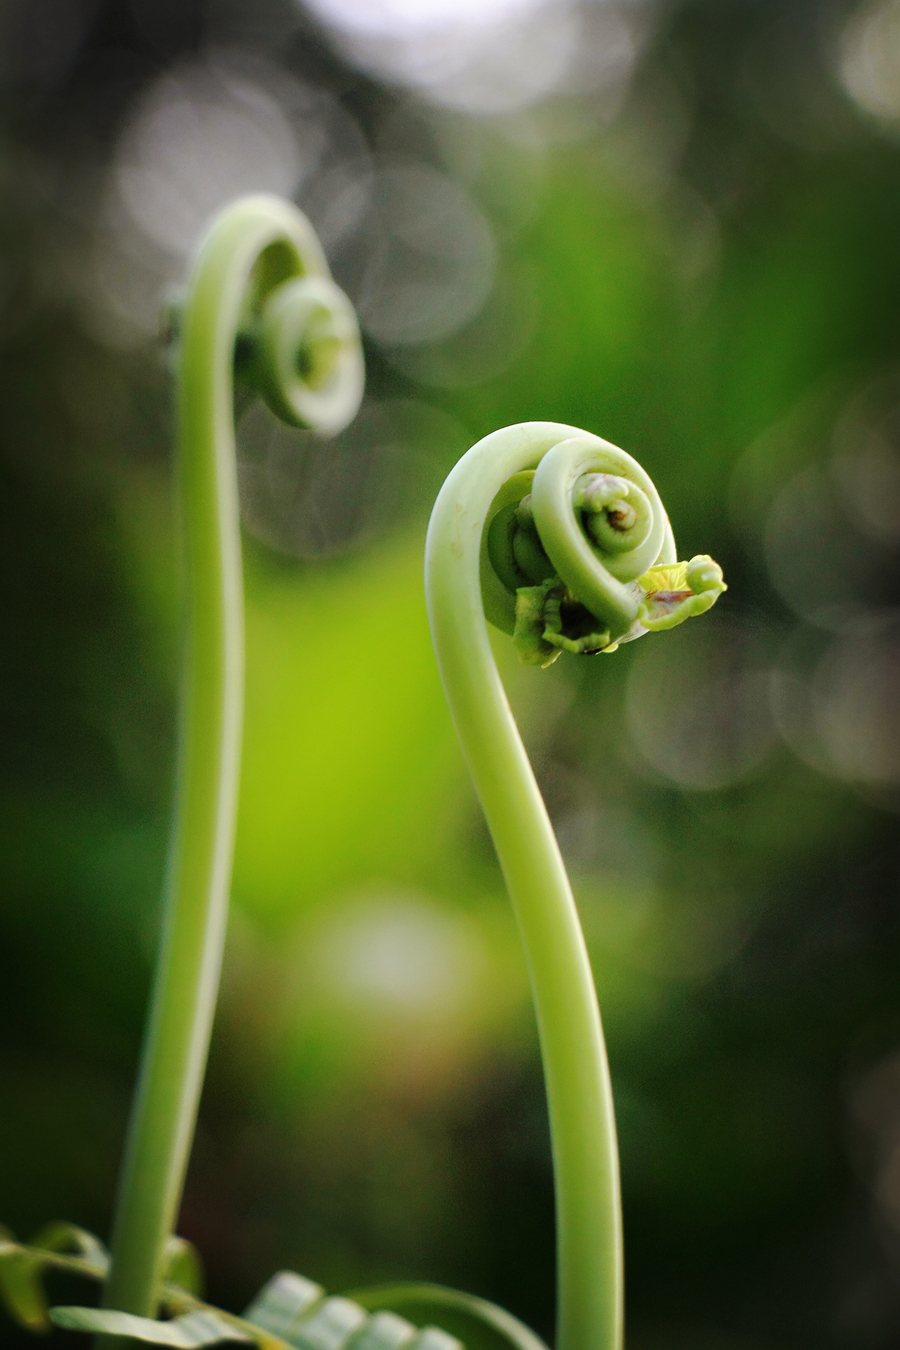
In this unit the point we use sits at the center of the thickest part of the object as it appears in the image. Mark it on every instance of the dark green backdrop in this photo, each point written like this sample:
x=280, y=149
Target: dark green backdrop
x=705, y=270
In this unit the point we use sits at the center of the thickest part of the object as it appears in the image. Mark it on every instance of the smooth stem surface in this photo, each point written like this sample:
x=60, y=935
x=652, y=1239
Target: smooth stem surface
x=187, y=976
x=588, y=1208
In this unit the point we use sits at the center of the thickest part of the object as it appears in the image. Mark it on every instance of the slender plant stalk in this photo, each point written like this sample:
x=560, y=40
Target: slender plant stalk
x=259, y=275
x=458, y=574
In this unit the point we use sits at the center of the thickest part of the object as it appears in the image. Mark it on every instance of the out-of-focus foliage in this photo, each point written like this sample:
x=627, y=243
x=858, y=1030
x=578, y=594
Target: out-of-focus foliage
x=675, y=225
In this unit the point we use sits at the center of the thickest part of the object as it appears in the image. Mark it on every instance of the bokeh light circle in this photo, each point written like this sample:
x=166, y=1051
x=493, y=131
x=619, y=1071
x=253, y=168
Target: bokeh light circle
x=697, y=703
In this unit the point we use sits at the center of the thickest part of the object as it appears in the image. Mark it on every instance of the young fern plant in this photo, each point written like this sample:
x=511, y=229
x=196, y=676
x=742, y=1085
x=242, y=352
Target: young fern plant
x=259, y=299
x=567, y=539
x=261, y=311
x=559, y=539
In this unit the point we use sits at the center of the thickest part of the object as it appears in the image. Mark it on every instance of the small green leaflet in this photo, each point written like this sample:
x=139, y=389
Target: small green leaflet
x=59, y=1245
x=282, y=1302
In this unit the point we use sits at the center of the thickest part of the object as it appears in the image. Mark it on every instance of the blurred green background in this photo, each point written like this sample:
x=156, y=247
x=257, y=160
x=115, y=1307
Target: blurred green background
x=676, y=225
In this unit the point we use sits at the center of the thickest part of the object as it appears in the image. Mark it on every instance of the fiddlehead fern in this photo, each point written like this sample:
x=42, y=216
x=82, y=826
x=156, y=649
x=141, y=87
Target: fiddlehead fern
x=579, y=555
x=260, y=304
x=562, y=538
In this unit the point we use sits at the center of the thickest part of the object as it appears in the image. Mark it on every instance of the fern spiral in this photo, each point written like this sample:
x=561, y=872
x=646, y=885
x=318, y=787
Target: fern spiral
x=560, y=539
x=259, y=305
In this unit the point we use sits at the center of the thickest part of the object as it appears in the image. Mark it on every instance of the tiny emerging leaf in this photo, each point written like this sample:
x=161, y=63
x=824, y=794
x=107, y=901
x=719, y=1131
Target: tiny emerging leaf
x=550, y=621
x=678, y=592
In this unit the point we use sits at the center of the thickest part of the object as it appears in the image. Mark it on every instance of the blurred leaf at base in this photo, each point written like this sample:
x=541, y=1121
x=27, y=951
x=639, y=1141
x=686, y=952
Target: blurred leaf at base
x=189, y=1332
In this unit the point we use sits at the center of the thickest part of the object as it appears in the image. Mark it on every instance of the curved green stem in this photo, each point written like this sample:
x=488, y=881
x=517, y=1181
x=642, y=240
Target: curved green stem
x=541, y=465
x=261, y=275
x=578, y=1088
